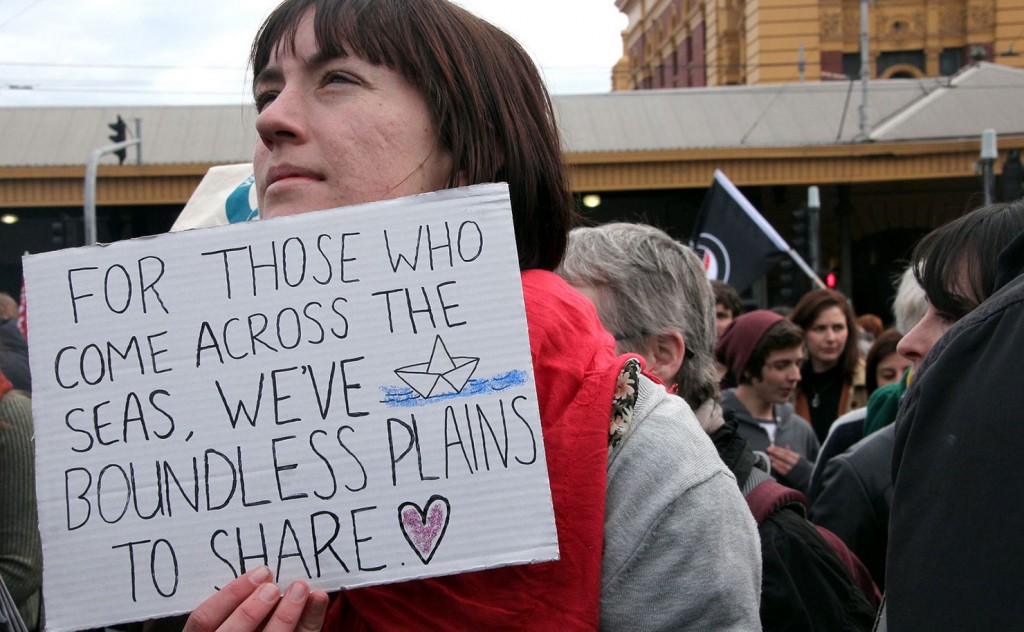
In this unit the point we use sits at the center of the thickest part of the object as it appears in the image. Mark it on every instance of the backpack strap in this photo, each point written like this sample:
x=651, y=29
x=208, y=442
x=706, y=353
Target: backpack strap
x=770, y=496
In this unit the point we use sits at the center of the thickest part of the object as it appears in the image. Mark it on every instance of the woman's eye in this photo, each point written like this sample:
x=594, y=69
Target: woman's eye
x=263, y=99
x=337, y=78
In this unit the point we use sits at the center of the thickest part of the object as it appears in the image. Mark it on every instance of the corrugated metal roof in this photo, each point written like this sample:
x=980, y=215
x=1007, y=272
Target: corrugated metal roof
x=781, y=115
x=62, y=136
x=986, y=96
x=775, y=115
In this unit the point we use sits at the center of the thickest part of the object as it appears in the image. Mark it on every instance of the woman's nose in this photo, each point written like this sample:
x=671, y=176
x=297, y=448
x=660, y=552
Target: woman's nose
x=280, y=119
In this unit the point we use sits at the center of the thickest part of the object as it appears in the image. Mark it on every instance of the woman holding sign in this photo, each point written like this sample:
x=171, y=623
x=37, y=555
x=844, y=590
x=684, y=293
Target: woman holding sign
x=366, y=100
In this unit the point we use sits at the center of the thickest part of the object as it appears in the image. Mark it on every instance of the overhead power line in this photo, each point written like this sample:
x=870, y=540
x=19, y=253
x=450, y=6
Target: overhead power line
x=33, y=64
x=19, y=13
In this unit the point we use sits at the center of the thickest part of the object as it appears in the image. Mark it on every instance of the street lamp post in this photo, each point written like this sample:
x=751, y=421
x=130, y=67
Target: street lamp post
x=89, y=207
x=865, y=73
x=814, y=228
x=989, y=154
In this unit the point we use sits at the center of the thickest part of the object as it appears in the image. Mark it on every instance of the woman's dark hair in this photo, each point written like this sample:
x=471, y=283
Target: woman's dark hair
x=486, y=97
x=781, y=335
x=883, y=346
x=812, y=304
x=956, y=263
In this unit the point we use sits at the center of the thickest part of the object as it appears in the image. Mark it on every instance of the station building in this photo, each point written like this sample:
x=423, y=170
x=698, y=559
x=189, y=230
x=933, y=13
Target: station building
x=635, y=155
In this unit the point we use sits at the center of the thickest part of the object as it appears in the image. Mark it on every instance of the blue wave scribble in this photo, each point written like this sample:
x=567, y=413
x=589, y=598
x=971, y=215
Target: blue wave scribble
x=402, y=396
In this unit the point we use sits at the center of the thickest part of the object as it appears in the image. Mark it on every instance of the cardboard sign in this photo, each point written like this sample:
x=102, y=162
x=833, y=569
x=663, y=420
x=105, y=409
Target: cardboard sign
x=345, y=396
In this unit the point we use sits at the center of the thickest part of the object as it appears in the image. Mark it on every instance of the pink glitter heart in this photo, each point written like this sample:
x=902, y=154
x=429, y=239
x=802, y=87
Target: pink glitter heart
x=424, y=528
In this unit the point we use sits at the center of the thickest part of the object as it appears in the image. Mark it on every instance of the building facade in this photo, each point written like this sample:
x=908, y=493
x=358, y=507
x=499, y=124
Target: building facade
x=640, y=155
x=699, y=43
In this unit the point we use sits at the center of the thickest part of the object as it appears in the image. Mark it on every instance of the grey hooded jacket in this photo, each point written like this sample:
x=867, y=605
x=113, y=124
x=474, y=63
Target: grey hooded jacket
x=793, y=431
x=681, y=549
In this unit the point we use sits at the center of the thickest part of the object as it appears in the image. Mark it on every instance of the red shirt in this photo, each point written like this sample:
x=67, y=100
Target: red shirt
x=575, y=369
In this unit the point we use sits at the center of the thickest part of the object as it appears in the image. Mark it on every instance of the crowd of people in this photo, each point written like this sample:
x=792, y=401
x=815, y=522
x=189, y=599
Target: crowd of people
x=727, y=469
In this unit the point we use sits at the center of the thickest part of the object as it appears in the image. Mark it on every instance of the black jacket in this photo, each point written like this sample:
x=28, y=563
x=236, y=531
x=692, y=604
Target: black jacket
x=956, y=553
x=855, y=498
x=842, y=434
x=804, y=585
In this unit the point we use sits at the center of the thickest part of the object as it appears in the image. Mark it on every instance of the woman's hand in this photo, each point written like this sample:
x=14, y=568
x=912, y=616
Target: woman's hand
x=253, y=602
x=783, y=459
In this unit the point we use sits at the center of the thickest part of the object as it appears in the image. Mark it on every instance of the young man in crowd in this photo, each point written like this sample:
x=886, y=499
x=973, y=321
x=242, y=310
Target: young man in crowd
x=764, y=351
x=728, y=306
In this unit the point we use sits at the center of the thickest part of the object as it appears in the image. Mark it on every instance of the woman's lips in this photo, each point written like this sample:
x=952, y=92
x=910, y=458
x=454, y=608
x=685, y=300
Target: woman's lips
x=288, y=172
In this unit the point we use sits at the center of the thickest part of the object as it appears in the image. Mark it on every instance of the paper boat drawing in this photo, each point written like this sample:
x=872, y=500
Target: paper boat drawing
x=441, y=375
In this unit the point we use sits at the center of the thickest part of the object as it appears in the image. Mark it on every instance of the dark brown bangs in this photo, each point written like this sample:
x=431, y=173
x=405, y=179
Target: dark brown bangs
x=378, y=31
x=276, y=34
x=956, y=264
x=940, y=272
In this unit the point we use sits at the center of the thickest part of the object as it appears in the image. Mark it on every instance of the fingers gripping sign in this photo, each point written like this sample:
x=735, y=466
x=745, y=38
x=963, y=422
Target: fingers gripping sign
x=253, y=602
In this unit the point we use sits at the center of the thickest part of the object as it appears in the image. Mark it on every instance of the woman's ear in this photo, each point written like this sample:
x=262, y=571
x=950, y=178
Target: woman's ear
x=666, y=357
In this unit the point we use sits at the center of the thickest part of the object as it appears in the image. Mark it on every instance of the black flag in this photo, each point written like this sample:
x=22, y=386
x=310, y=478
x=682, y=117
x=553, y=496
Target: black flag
x=735, y=242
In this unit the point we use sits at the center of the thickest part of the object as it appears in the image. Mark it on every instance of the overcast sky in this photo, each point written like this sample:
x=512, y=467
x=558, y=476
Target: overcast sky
x=141, y=52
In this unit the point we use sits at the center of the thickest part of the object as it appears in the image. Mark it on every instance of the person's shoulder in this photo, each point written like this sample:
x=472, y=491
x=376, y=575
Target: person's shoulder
x=16, y=429
x=562, y=323
x=667, y=416
x=886, y=393
x=873, y=450
x=554, y=304
x=847, y=422
x=9, y=330
x=731, y=402
x=666, y=436
x=543, y=285
x=18, y=404
x=787, y=416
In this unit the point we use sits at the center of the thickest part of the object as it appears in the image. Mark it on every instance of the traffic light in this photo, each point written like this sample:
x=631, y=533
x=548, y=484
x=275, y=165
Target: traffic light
x=120, y=129
x=790, y=282
x=57, y=236
x=801, y=231
x=831, y=279
x=1013, y=177
x=66, y=232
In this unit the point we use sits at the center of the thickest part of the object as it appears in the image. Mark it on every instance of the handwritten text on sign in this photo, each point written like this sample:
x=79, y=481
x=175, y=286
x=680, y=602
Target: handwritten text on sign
x=346, y=397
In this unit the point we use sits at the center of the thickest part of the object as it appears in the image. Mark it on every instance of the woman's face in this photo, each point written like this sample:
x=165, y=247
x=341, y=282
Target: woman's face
x=890, y=369
x=334, y=132
x=918, y=342
x=826, y=338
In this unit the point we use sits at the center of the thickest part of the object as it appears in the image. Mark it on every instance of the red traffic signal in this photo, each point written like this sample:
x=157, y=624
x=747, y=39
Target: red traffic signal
x=831, y=279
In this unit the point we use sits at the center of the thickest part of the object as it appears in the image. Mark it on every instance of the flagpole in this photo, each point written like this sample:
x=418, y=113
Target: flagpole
x=795, y=256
